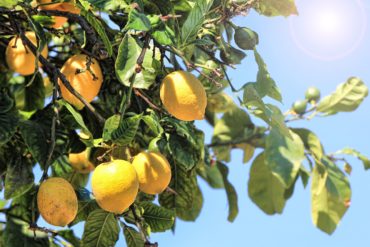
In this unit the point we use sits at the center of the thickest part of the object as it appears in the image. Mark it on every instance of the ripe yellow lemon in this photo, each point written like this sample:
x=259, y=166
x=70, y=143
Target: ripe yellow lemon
x=153, y=171
x=80, y=162
x=115, y=185
x=57, y=201
x=20, y=58
x=66, y=7
x=48, y=4
x=86, y=82
x=183, y=95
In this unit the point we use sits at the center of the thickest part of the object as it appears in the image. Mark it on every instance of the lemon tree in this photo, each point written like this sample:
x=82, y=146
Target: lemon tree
x=111, y=90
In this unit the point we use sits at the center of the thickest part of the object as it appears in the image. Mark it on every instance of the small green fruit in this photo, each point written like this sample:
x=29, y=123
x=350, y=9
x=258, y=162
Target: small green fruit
x=313, y=94
x=246, y=38
x=300, y=106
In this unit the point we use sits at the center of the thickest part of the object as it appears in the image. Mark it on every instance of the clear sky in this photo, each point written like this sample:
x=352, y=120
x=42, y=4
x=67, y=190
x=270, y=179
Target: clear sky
x=295, y=69
x=322, y=47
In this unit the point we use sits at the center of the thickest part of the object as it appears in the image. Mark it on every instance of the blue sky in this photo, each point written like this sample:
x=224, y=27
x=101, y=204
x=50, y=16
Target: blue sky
x=294, y=70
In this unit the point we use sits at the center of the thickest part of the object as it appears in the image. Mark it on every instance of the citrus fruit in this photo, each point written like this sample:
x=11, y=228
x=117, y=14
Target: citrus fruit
x=299, y=106
x=313, y=94
x=245, y=38
x=19, y=58
x=115, y=185
x=57, y=201
x=66, y=7
x=80, y=162
x=85, y=81
x=183, y=96
x=153, y=171
x=48, y=4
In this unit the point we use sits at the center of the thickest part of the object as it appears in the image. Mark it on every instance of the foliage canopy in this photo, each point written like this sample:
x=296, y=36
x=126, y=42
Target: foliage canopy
x=137, y=43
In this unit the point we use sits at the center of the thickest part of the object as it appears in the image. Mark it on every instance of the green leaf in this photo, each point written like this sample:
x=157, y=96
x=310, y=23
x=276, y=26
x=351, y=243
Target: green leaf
x=192, y=213
x=311, y=142
x=8, y=3
x=21, y=206
x=109, y=5
x=264, y=188
x=70, y=237
x=8, y=117
x=195, y=21
x=284, y=156
x=158, y=218
x=357, y=154
x=128, y=53
x=133, y=237
x=234, y=125
x=32, y=95
x=77, y=117
x=265, y=85
x=111, y=124
x=62, y=168
x=276, y=7
x=84, y=209
x=330, y=195
x=99, y=28
x=17, y=234
x=212, y=175
x=35, y=139
x=152, y=121
x=164, y=36
x=138, y=21
x=101, y=229
x=126, y=131
x=231, y=194
x=19, y=178
x=184, y=183
x=183, y=152
x=346, y=98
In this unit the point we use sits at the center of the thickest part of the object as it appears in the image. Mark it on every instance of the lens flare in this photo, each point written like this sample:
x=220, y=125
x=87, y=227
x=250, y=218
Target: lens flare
x=329, y=29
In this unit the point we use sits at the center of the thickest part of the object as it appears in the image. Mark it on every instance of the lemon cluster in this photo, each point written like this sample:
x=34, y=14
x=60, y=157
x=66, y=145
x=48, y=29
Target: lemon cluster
x=115, y=185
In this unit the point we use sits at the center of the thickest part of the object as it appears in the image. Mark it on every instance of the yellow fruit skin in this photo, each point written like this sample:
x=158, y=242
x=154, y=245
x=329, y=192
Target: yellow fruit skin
x=153, y=171
x=57, y=201
x=48, y=5
x=66, y=7
x=115, y=185
x=82, y=82
x=80, y=162
x=20, y=59
x=183, y=95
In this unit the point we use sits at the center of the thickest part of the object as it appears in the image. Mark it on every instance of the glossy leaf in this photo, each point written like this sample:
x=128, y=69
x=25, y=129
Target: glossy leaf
x=133, y=237
x=158, y=218
x=195, y=21
x=101, y=229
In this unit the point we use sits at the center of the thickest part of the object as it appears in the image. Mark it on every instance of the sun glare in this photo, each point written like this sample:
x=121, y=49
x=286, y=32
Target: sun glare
x=329, y=29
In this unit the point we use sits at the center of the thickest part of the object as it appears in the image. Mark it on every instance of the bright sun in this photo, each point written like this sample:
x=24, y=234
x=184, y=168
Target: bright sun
x=329, y=29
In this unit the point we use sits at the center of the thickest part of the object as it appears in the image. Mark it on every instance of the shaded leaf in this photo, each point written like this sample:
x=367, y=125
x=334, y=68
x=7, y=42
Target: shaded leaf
x=284, y=156
x=231, y=194
x=19, y=178
x=311, y=141
x=330, y=195
x=264, y=188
